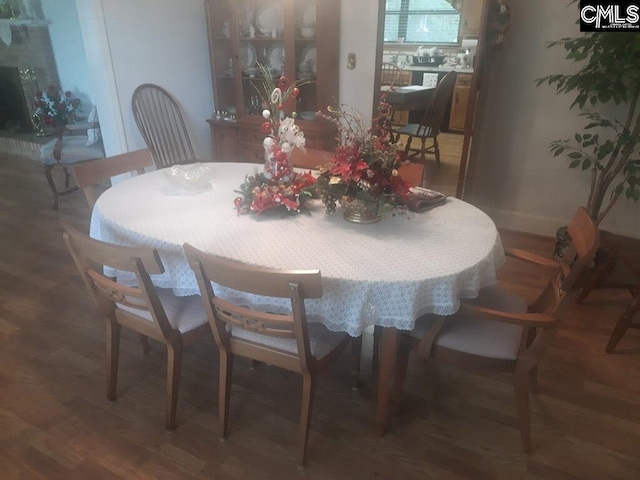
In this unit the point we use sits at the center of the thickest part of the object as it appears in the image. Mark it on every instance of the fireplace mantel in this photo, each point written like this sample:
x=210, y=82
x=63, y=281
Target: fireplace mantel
x=24, y=22
x=7, y=23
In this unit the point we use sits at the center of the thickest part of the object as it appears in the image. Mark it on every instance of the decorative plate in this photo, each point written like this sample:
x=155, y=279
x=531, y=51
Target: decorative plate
x=275, y=57
x=309, y=15
x=248, y=55
x=309, y=54
x=268, y=17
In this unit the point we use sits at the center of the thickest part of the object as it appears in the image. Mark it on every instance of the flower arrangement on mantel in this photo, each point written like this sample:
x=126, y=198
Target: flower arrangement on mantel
x=366, y=162
x=54, y=107
x=278, y=187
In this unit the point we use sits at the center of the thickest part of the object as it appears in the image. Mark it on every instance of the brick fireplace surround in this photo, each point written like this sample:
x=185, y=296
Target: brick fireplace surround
x=30, y=48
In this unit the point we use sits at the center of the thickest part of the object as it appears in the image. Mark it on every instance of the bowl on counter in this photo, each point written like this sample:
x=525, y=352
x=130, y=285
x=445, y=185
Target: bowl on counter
x=434, y=61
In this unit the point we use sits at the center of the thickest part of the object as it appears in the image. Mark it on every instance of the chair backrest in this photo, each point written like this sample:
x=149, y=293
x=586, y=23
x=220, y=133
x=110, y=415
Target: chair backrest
x=391, y=74
x=89, y=174
x=310, y=158
x=295, y=285
x=137, y=307
x=562, y=290
x=161, y=124
x=441, y=98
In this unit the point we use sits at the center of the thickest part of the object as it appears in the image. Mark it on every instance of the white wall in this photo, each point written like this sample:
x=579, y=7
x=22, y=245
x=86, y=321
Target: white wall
x=154, y=41
x=69, y=51
x=513, y=176
x=358, y=34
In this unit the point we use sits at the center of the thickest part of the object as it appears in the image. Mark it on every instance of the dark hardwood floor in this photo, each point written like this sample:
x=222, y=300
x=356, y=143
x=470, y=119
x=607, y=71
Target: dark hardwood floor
x=56, y=423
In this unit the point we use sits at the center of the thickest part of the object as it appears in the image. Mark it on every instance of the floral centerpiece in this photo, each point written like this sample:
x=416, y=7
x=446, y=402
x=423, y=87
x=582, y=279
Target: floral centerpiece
x=54, y=107
x=278, y=187
x=363, y=174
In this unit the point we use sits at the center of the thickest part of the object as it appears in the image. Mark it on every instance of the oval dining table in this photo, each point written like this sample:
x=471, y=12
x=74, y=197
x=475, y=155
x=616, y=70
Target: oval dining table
x=386, y=274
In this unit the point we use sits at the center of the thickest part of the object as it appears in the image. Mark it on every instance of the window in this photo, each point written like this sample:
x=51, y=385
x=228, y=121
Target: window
x=422, y=21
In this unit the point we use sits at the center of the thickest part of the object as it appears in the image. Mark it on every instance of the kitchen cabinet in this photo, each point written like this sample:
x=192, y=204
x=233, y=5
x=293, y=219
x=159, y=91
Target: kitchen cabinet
x=459, y=102
x=295, y=38
x=471, y=17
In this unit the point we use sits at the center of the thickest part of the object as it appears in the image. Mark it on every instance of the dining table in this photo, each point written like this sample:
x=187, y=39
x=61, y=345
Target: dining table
x=407, y=98
x=386, y=274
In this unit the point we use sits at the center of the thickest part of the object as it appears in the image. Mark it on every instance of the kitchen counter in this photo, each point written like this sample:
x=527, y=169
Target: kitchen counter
x=440, y=69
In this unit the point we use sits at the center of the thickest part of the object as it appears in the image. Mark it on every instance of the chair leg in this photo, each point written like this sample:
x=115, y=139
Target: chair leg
x=226, y=369
x=113, y=353
x=174, y=365
x=423, y=150
x=624, y=322
x=521, y=389
x=436, y=150
x=57, y=193
x=67, y=176
x=52, y=185
x=407, y=147
x=308, y=392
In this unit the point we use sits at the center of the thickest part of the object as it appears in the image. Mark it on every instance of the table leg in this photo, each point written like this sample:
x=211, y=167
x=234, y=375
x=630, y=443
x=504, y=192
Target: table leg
x=388, y=352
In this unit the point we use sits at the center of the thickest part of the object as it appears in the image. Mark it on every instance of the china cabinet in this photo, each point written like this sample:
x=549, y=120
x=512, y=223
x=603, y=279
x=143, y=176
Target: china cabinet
x=297, y=39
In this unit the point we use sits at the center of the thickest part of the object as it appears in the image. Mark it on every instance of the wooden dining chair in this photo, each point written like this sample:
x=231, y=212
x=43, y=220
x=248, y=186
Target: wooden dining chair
x=431, y=122
x=155, y=313
x=90, y=175
x=162, y=126
x=285, y=340
x=310, y=158
x=500, y=331
x=391, y=74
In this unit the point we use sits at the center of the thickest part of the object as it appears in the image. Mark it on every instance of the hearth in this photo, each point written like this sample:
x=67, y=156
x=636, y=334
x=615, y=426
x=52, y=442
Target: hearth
x=14, y=110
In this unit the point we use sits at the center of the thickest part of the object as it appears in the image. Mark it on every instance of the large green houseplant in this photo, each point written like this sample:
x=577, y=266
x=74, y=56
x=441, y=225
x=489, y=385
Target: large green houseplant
x=607, y=92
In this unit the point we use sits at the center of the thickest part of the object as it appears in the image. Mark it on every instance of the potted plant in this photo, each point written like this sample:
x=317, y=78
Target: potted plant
x=607, y=83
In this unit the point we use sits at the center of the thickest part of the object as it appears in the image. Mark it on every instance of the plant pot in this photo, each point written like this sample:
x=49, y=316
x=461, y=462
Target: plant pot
x=361, y=211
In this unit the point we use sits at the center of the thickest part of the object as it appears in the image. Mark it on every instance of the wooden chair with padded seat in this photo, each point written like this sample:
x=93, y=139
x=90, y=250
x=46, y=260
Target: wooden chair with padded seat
x=162, y=126
x=614, y=271
x=155, y=313
x=88, y=175
x=500, y=331
x=283, y=340
x=310, y=158
x=431, y=122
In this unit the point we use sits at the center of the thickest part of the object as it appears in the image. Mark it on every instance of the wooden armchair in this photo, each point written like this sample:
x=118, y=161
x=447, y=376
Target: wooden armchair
x=284, y=340
x=500, y=331
x=71, y=145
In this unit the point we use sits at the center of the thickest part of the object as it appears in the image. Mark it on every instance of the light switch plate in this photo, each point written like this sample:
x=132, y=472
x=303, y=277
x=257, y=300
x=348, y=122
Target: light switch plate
x=351, y=61
x=429, y=80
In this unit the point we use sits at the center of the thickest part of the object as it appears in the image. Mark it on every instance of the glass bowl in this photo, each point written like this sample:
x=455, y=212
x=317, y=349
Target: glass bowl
x=190, y=177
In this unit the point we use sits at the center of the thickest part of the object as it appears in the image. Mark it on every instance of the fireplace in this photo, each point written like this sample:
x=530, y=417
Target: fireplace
x=26, y=65
x=14, y=110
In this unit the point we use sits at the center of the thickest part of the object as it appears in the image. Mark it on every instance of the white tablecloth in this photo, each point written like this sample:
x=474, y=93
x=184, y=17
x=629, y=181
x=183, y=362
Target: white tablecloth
x=386, y=274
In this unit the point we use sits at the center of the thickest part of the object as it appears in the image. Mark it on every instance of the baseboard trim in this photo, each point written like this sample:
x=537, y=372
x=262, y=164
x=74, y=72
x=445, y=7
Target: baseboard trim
x=537, y=224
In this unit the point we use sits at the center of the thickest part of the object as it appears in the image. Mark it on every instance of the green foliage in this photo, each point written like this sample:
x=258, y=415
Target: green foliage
x=608, y=148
